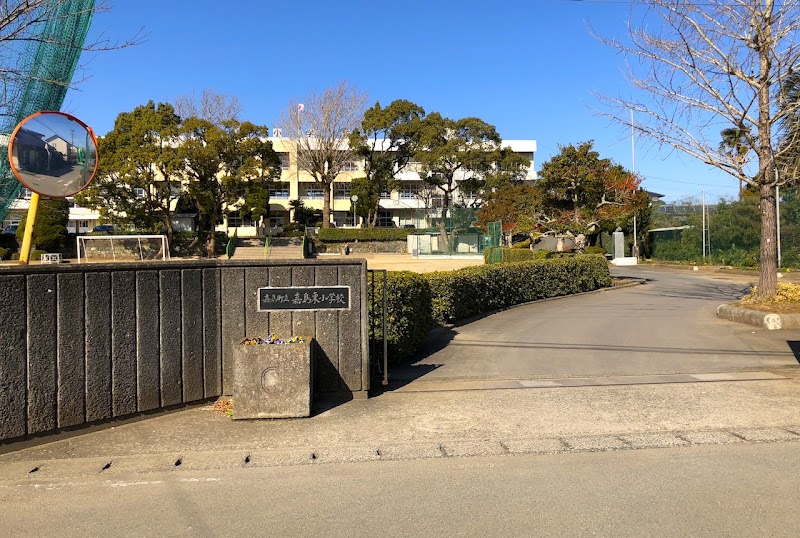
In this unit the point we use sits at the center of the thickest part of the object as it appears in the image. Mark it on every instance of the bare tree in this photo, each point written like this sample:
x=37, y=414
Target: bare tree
x=704, y=66
x=25, y=24
x=319, y=128
x=216, y=108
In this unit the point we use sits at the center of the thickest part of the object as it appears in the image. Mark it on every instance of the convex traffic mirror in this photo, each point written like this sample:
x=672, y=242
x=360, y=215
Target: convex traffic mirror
x=53, y=154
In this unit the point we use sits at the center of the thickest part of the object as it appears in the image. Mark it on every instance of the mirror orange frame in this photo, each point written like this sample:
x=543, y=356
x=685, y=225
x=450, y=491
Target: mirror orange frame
x=21, y=174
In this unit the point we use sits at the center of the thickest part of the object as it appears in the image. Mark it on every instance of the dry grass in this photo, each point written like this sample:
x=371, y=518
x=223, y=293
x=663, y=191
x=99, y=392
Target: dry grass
x=224, y=406
x=772, y=307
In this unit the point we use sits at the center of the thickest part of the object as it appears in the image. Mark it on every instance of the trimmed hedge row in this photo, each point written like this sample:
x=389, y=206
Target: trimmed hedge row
x=418, y=302
x=409, y=319
x=474, y=290
x=509, y=254
x=343, y=235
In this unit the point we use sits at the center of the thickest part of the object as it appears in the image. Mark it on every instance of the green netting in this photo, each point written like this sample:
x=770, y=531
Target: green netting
x=44, y=57
x=495, y=230
x=461, y=234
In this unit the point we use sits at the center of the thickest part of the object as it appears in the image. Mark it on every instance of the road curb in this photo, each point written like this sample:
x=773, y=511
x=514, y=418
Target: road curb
x=37, y=471
x=768, y=320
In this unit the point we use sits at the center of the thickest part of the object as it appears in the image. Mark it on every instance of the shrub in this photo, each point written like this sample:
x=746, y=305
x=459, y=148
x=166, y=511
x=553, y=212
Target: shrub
x=3, y=253
x=510, y=254
x=788, y=292
x=595, y=250
x=409, y=319
x=461, y=294
x=9, y=241
x=36, y=255
x=541, y=254
x=344, y=235
x=294, y=227
x=188, y=243
x=522, y=244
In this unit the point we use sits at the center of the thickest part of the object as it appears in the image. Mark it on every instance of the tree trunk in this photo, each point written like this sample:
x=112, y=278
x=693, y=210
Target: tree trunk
x=768, y=276
x=211, y=240
x=443, y=239
x=326, y=206
x=211, y=245
x=170, y=230
x=768, y=264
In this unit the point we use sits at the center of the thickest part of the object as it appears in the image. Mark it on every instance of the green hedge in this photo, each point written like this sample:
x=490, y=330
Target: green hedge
x=595, y=250
x=409, y=319
x=417, y=302
x=461, y=294
x=510, y=254
x=343, y=235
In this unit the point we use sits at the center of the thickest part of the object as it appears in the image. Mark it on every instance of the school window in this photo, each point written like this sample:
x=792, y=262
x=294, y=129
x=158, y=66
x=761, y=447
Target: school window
x=311, y=191
x=341, y=190
x=409, y=190
x=279, y=190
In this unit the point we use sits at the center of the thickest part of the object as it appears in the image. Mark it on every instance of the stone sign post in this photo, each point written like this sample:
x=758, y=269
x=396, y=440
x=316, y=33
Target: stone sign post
x=619, y=250
x=619, y=244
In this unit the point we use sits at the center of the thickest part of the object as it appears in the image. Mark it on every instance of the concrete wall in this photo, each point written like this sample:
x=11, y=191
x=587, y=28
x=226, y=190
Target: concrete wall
x=90, y=342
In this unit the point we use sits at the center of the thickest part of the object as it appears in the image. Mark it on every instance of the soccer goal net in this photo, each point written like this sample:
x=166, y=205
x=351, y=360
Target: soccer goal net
x=118, y=248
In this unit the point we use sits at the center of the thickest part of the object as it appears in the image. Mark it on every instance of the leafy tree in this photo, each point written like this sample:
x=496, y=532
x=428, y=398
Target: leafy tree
x=701, y=63
x=582, y=192
x=50, y=228
x=449, y=149
x=139, y=173
x=520, y=207
x=220, y=163
x=385, y=141
x=256, y=200
x=507, y=168
x=319, y=129
x=305, y=215
x=369, y=197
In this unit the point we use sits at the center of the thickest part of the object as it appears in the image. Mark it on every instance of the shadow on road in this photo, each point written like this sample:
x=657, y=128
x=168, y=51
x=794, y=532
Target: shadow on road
x=794, y=345
x=718, y=291
x=793, y=351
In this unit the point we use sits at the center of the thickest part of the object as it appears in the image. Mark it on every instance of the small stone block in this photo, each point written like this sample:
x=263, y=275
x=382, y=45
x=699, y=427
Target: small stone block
x=273, y=380
x=535, y=446
x=474, y=448
x=710, y=438
x=410, y=451
x=595, y=443
x=349, y=454
x=653, y=440
x=766, y=435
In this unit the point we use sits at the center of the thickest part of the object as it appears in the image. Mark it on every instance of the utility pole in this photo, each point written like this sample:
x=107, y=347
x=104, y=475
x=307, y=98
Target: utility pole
x=633, y=171
x=704, y=224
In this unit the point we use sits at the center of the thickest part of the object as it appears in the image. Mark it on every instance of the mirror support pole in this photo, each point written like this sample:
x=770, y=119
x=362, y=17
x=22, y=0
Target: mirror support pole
x=25, y=250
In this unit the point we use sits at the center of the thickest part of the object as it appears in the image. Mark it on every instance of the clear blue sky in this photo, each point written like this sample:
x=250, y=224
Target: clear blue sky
x=528, y=67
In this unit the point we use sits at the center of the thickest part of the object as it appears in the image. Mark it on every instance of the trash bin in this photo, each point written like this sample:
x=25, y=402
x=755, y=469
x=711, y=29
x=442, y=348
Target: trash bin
x=273, y=380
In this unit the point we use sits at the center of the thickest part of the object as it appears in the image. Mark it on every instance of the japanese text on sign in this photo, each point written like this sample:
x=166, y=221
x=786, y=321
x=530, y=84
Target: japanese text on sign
x=308, y=298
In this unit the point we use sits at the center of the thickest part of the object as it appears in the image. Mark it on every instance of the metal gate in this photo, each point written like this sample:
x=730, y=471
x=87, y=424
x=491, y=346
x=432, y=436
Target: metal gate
x=378, y=343
x=495, y=254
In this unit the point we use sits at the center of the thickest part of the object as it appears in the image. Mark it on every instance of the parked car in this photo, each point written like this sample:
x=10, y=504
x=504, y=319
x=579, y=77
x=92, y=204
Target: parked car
x=103, y=229
x=11, y=229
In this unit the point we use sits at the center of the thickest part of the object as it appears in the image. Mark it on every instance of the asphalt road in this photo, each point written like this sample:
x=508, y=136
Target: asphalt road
x=667, y=325
x=732, y=490
x=687, y=454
